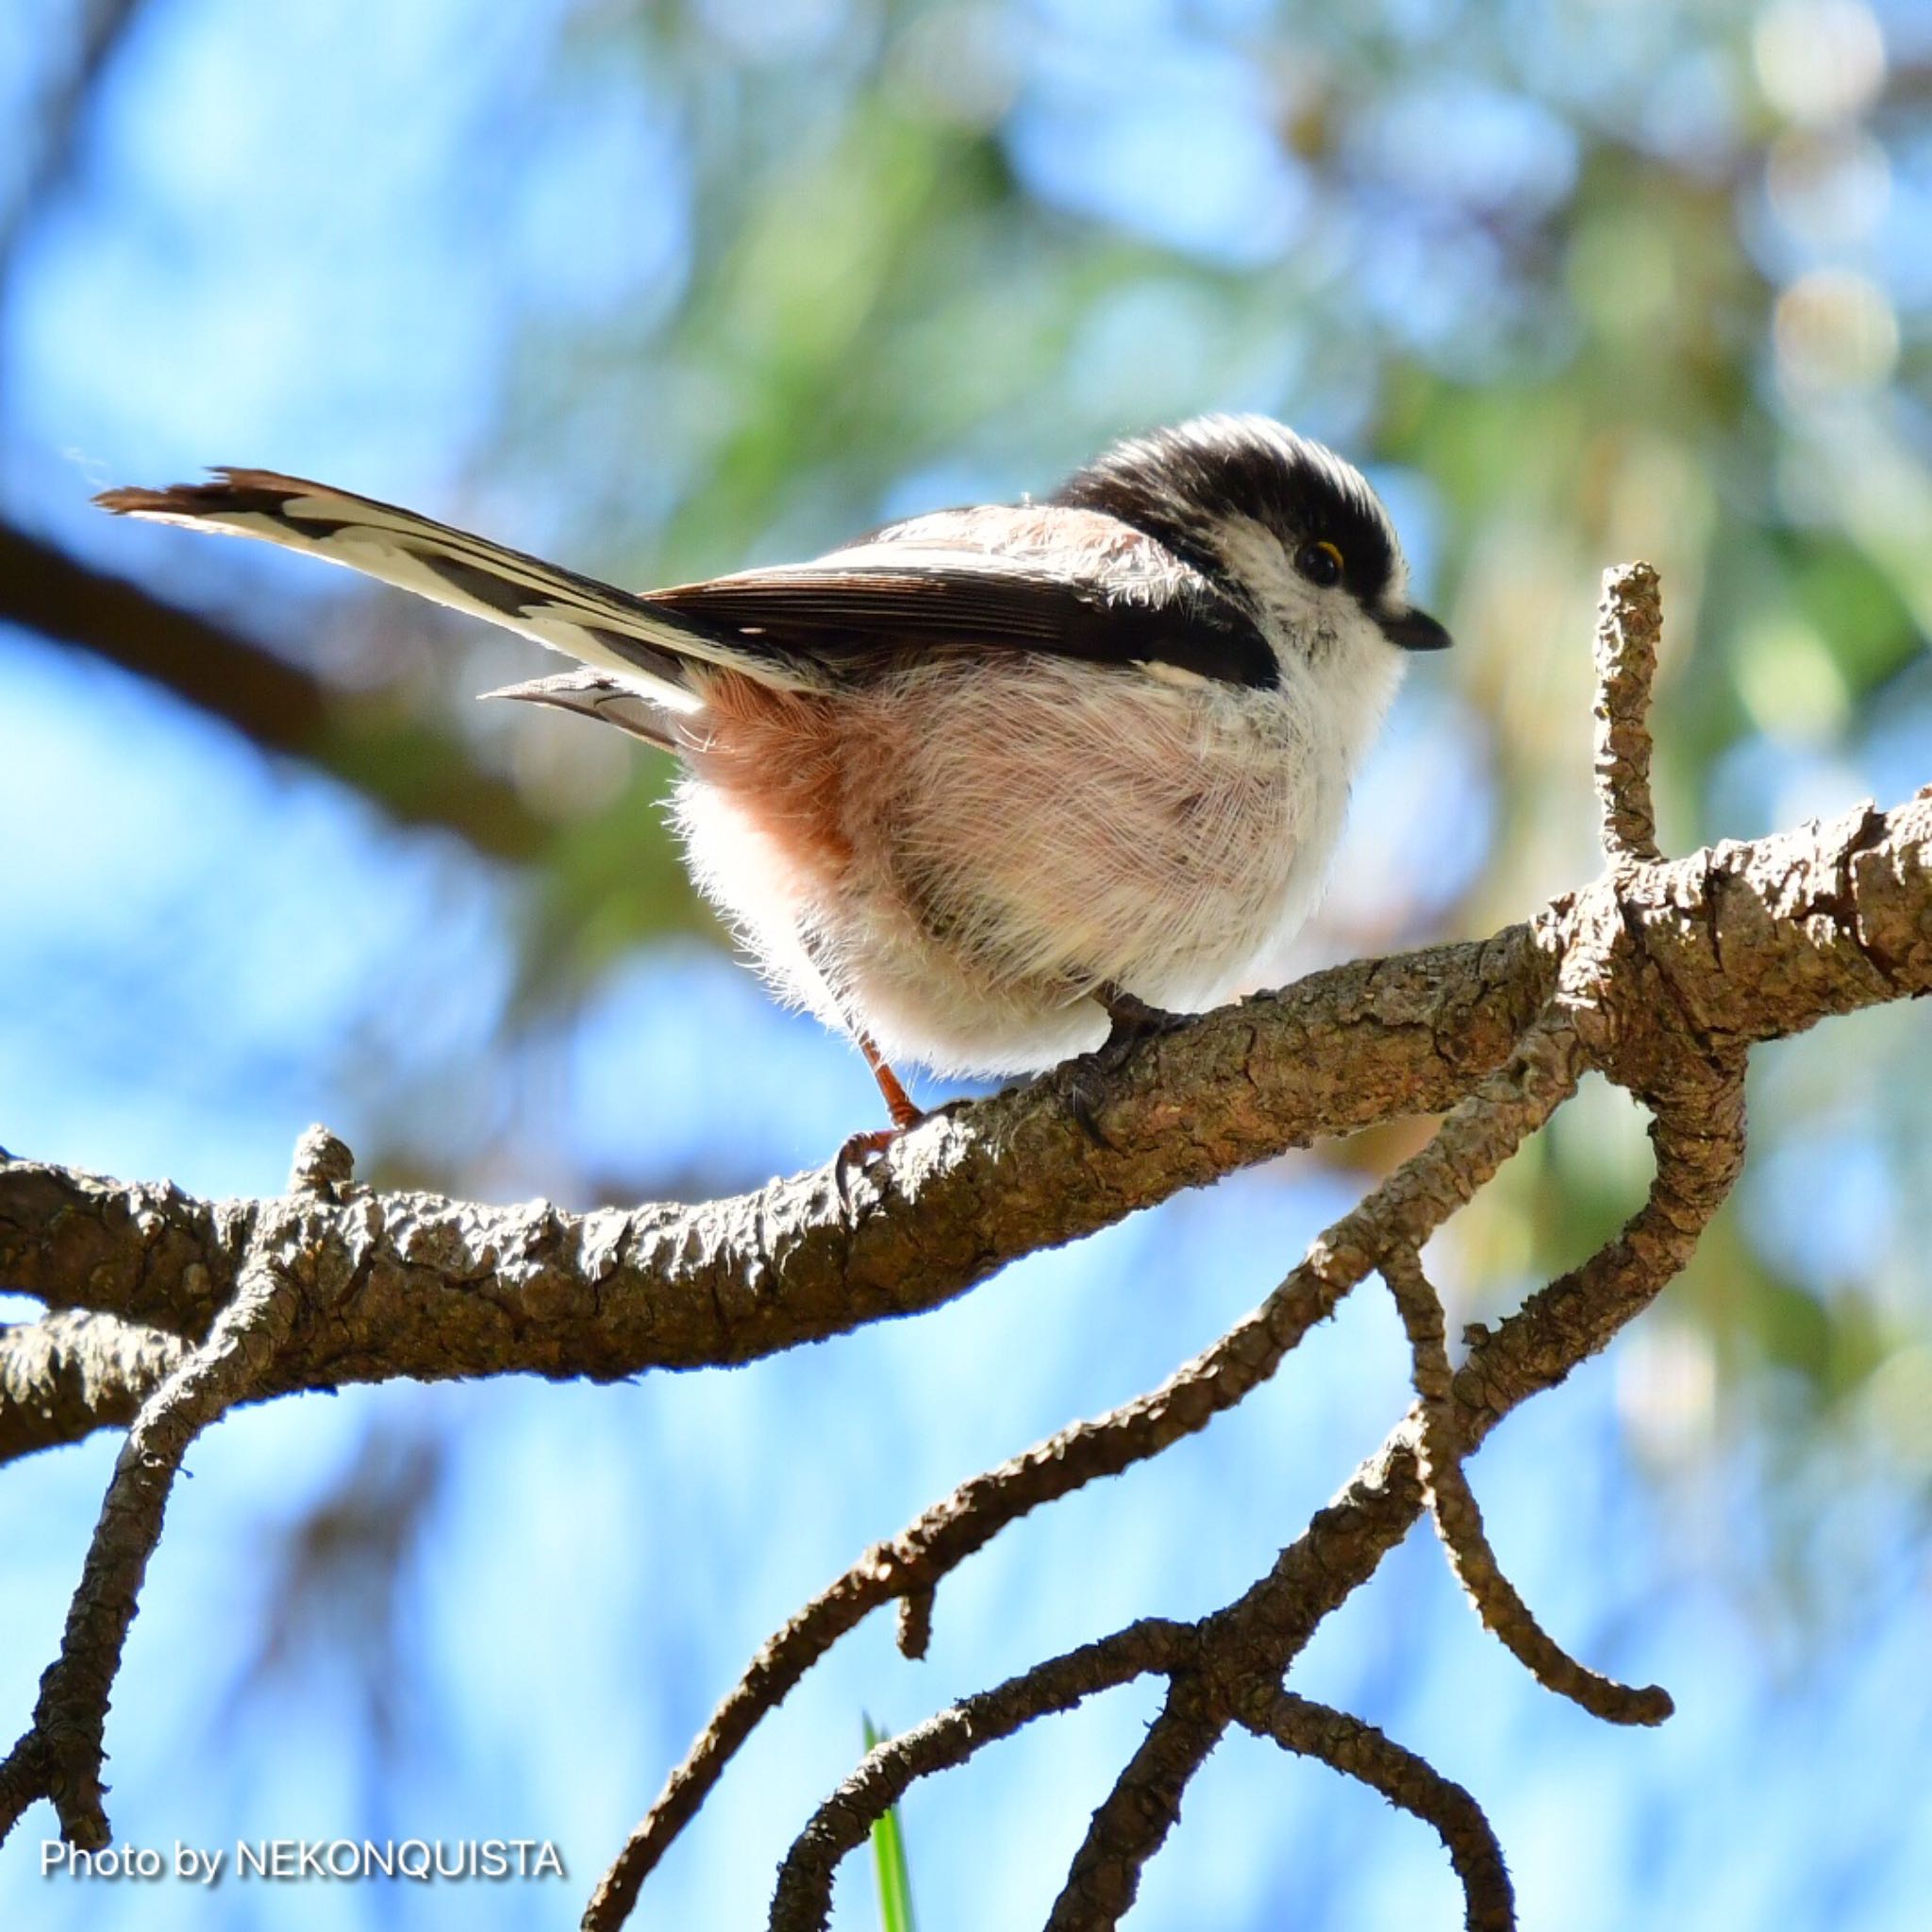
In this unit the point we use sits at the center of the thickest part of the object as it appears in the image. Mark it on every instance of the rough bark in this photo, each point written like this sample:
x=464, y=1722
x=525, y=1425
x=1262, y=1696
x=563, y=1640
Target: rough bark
x=1744, y=943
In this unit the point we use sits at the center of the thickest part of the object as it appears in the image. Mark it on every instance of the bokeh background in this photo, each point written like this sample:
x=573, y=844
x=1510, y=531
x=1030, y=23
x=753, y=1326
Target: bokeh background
x=665, y=290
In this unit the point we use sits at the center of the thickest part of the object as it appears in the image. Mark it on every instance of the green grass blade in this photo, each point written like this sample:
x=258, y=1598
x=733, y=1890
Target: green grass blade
x=889, y=1859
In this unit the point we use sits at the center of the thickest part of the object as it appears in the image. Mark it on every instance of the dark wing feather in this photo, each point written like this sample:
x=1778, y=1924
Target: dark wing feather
x=848, y=616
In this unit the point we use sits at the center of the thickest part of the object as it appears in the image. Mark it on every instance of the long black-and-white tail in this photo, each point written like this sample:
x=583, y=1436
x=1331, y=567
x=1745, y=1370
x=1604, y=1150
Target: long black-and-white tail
x=641, y=643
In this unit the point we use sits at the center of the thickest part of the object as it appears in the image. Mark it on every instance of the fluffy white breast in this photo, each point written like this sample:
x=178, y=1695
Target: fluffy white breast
x=1015, y=830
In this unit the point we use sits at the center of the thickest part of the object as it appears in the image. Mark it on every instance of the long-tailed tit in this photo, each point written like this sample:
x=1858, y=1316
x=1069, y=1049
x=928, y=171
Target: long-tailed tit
x=975, y=783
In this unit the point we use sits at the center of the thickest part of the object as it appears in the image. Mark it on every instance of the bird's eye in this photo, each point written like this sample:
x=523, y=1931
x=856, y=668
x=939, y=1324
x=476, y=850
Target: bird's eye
x=1319, y=561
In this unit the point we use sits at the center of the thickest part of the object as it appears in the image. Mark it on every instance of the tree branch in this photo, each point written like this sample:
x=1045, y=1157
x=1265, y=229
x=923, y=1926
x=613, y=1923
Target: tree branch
x=436, y=1289
x=59, y=1755
x=1472, y=1142
x=418, y=772
x=99, y=33
x=1250, y=1642
x=72, y=1373
x=1459, y=1522
x=1735, y=944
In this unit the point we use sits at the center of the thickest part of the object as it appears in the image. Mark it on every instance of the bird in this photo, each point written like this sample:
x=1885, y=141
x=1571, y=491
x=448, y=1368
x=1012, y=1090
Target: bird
x=987, y=788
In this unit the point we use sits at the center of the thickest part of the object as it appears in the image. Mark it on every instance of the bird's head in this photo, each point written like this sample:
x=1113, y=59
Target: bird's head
x=1286, y=530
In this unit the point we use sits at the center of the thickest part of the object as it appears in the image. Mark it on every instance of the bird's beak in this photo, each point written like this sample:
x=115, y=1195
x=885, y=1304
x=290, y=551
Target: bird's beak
x=1414, y=630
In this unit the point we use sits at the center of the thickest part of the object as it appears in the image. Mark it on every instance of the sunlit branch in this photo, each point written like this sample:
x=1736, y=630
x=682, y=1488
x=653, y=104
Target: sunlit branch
x=72, y=1372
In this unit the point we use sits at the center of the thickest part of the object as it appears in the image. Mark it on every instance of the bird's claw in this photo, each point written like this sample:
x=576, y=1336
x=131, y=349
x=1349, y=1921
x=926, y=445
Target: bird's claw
x=1083, y=1080
x=861, y=1149
x=1133, y=1021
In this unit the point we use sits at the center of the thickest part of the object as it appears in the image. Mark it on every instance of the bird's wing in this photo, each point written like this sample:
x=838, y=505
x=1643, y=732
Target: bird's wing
x=1027, y=577
x=595, y=623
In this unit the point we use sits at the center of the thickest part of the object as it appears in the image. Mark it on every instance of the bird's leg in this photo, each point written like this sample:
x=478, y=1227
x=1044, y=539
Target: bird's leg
x=863, y=1145
x=897, y=1102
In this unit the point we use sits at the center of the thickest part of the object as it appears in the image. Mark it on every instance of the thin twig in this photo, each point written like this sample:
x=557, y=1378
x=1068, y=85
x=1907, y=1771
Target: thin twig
x=1629, y=621
x=1459, y=1522
x=1361, y=1750
x=59, y=1755
x=914, y=1637
x=803, y=1901
x=1134, y=1819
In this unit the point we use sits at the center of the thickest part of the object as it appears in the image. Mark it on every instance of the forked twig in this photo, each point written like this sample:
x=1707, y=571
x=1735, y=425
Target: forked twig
x=1459, y=1522
x=1254, y=1640
x=804, y=1898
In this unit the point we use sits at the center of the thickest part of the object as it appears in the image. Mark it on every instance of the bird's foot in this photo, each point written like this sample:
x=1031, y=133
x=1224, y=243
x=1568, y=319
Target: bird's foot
x=1083, y=1081
x=862, y=1148
x=1132, y=1021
